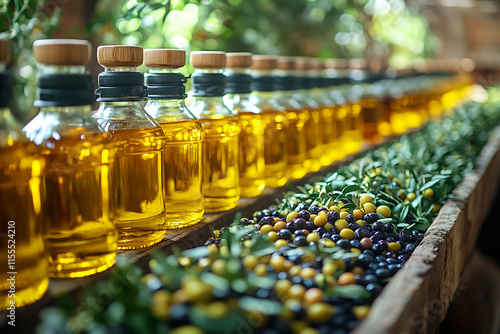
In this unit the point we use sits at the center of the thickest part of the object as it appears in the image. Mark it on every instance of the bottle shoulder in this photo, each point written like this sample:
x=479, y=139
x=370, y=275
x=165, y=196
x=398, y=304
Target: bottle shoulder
x=124, y=117
x=204, y=108
x=46, y=127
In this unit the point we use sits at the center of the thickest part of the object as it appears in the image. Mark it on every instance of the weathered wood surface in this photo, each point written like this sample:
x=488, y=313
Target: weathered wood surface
x=417, y=298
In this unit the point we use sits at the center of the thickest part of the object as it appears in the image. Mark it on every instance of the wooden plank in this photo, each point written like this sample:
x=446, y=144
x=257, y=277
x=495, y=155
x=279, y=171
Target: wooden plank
x=417, y=298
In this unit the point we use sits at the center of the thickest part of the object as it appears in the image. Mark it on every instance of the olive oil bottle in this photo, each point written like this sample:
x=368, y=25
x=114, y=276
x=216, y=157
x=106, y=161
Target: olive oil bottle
x=182, y=177
x=251, y=141
x=76, y=203
x=311, y=109
x=274, y=118
x=137, y=179
x=22, y=250
x=326, y=123
x=220, y=145
x=287, y=83
x=371, y=111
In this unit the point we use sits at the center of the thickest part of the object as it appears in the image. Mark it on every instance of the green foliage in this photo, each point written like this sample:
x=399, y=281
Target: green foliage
x=23, y=22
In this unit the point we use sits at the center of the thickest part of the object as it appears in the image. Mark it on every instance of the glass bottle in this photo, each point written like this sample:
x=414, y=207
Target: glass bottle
x=138, y=174
x=221, y=126
x=23, y=259
x=337, y=81
x=326, y=123
x=182, y=183
x=311, y=109
x=366, y=89
x=287, y=83
x=251, y=141
x=274, y=118
x=348, y=95
x=77, y=210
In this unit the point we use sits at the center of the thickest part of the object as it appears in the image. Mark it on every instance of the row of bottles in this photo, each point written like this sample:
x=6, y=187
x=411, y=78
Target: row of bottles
x=83, y=184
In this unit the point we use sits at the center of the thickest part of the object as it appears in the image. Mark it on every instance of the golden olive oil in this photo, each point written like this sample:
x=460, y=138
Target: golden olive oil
x=137, y=180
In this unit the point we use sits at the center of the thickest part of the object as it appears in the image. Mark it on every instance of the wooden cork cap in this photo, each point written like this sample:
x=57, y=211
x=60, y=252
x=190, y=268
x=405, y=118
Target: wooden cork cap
x=303, y=63
x=4, y=50
x=358, y=64
x=239, y=59
x=62, y=51
x=264, y=62
x=119, y=55
x=208, y=59
x=468, y=65
x=317, y=64
x=286, y=63
x=337, y=63
x=172, y=58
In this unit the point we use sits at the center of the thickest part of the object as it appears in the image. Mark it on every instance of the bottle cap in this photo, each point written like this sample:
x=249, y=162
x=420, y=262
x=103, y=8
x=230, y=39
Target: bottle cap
x=62, y=51
x=303, y=63
x=286, y=63
x=264, y=62
x=337, y=63
x=208, y=59
x=119, y=55
x=239, y=59
x=358, y=64
x=317, y=64
x=468, y=65
x=172, y=58
x=4, y=50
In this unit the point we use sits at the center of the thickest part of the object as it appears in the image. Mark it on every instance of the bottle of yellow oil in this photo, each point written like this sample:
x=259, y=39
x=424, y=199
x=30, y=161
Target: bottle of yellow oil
x=182, y=189
x=350, y=92
x=337, y=86
x=251, y=141
x=287, y=83
x=23, y=259
x=274, y=119
x=137, y=185
x=311, y=109
x=326, y=123
x=77, y=211
x=220, y=146
x=367, y=85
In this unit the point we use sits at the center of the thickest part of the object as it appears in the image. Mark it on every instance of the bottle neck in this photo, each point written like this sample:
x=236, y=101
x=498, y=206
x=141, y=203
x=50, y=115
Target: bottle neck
x=208, y=83
x=67, y=110
x=111, y=104
x=120, y=69
x=62, y=69
x=161, y=70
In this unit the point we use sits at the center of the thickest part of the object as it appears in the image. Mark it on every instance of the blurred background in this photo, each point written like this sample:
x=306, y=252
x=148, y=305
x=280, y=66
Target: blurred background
x=395, y=33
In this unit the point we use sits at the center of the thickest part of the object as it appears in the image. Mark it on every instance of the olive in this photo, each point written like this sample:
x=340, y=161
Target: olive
x=321, y=230
x=350, y=218
x=374, y=289
x=310, y=226
x=300, y=232
x=284, y=234
x=290, y=226
x=300, y=240
x=299, y=223
x=393, y=268
x=410, y=248
x=333, y=216
x=344, y=243
x=388, y=228
x=304, y=214
x=370, y=218
x=404, y=236
x=355, y=243
x=361, y=233
x=383, y=273
x=364, y=260
x=354, y=226
x=378, y=226
x=326, y=235
x=335, y=237
x=314, y=209
x=268, y=220
x=403, y=258
x=245, y=221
